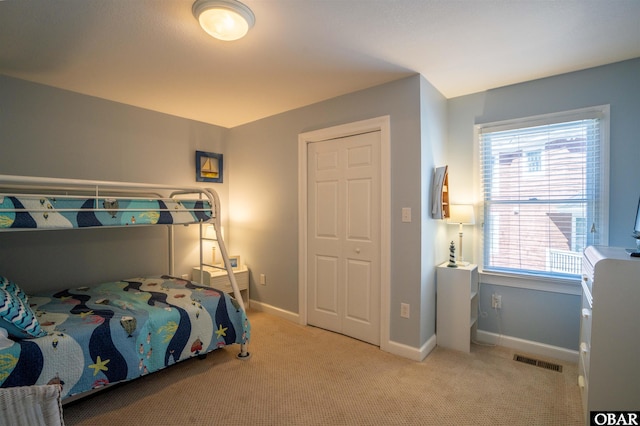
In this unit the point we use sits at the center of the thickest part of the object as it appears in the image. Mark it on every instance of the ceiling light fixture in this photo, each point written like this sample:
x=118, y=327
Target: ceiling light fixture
x=224, y=19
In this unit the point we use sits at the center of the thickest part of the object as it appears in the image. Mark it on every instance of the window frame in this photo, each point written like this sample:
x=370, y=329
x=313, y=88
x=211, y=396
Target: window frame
x=542, y=280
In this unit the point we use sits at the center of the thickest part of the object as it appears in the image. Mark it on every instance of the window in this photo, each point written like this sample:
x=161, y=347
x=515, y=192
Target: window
x=533, y=160
x=542, y=183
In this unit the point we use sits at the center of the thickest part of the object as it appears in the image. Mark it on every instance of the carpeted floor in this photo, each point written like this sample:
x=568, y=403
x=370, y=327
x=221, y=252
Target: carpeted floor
x=307, y=376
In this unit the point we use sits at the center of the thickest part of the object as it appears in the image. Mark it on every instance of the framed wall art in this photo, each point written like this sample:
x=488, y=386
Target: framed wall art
x=235, y=262
x=208, y=167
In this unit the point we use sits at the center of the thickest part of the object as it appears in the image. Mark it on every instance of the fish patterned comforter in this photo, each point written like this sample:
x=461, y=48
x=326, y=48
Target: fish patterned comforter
x=119, y=331
x=34, y=212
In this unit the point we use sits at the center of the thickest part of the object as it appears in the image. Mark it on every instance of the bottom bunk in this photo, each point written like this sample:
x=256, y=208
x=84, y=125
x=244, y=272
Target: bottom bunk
x=87, y=338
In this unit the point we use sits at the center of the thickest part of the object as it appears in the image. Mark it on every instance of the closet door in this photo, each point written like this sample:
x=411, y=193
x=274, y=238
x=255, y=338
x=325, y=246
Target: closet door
x=343, y=293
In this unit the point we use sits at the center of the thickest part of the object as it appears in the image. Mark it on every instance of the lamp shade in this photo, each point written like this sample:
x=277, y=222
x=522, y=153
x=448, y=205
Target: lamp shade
x=210, y=232
x=226, y=20
x=461, y=214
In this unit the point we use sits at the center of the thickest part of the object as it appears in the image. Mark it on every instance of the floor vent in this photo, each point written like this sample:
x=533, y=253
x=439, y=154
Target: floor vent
x=538, y=363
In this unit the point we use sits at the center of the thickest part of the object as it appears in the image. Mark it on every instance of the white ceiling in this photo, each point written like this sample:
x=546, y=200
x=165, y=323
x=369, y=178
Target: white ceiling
x=153, y=54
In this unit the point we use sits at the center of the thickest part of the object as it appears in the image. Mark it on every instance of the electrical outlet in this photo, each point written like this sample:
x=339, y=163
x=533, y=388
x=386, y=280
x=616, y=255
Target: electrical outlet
x=404, y=310
x=496, y=301
x=263, y=279
x=406, y=214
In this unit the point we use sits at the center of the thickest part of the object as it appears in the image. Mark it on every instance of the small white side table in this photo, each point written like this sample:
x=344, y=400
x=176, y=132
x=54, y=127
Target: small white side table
x=218, y=279
x=457, y=306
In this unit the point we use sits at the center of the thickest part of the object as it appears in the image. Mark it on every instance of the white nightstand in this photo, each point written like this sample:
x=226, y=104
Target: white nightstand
x=457, y=306
x=218, y=279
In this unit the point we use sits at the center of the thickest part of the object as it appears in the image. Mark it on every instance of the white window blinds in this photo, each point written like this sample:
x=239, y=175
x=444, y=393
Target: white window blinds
x=541, y=183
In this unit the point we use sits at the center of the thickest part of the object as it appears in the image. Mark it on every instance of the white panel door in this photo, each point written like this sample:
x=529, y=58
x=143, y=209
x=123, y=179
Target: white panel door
x=343, y=265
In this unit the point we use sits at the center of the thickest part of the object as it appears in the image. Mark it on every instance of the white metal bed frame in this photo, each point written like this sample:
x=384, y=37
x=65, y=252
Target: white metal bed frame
x=61, y=187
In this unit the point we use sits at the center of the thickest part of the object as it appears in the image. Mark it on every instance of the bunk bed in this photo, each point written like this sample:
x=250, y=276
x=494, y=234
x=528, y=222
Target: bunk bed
x=90, y=337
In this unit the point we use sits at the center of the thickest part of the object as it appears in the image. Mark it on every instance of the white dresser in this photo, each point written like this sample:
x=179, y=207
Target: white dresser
x=609, y=365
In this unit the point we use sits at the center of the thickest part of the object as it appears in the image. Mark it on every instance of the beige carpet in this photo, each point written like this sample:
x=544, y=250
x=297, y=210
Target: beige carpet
x=307, y=376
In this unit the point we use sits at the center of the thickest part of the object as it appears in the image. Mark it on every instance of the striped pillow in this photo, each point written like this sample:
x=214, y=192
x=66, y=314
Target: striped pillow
x=11, y=287
x=16, y=316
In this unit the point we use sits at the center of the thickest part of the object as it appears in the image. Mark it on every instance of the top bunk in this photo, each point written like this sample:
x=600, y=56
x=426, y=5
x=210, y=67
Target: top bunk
x=32, y=203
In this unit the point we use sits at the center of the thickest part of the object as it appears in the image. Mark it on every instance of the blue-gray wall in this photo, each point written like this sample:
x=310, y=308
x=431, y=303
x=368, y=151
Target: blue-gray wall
x=50, y=132
x=264, y=202
x=552, y=317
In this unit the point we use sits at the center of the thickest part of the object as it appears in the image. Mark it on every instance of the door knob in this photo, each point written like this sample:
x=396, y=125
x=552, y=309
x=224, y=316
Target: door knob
x=358, y=250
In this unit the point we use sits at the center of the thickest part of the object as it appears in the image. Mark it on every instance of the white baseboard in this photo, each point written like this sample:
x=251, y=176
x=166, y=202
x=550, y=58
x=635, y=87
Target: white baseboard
x=410, y=352
x=415, y=354
x=528, y=346
x=263, y=307
x=418, y=354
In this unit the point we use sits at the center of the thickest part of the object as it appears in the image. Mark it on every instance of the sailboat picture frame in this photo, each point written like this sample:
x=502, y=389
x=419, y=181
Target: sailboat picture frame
x=208, y=167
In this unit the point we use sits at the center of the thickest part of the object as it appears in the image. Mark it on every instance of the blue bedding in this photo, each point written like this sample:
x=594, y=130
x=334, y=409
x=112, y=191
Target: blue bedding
x=119, y=331
x=39, y=212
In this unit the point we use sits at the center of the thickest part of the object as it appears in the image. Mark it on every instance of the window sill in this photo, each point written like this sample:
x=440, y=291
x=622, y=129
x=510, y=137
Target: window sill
x=554, y=285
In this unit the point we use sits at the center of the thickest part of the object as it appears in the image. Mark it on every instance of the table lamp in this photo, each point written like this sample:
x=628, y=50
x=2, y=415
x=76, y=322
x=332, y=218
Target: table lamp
x=461, y=214
x=210, y=234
